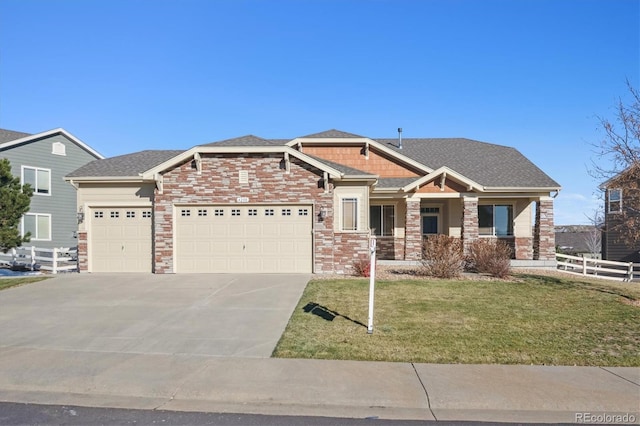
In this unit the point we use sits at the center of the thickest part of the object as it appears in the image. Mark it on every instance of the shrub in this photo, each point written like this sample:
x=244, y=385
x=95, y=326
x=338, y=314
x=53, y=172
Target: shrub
x=491, y=257
x=442, y=256
x=362, y=267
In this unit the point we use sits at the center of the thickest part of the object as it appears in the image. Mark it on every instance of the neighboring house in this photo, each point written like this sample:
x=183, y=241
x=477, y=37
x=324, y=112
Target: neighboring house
x=306, y=204
x=579, y=240
x=618, y=191
x=43, y=160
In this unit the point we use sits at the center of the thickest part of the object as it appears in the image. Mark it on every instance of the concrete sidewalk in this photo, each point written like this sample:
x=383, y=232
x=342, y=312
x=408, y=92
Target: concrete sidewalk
x=320, y=388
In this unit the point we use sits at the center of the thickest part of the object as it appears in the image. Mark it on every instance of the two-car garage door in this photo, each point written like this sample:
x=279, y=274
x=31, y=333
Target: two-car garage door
x=243, y=238
x=208, y=238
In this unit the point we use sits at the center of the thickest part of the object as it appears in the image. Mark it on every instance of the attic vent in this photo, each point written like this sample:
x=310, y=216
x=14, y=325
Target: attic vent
x=58, y=148
x=243, y=176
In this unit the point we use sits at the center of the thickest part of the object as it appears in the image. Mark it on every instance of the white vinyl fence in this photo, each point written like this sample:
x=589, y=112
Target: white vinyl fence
x=55, y=260
x=607, y=269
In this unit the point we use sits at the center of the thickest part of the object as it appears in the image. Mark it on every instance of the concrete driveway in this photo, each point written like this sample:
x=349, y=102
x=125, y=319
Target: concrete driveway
x=223, y=315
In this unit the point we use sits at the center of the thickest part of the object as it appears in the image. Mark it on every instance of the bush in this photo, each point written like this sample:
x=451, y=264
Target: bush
x=362, y=267
x=442, y=256
x=491, y=257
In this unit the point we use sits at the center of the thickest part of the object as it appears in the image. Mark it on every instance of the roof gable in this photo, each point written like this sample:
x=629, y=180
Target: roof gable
x=39, y=136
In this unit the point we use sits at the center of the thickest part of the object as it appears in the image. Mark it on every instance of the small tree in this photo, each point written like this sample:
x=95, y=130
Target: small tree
x=593, y=237
x=621, y=147
x=14, y=202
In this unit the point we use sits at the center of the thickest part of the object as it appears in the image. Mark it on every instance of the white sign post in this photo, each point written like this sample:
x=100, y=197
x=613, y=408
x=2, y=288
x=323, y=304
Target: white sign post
x=372, y=280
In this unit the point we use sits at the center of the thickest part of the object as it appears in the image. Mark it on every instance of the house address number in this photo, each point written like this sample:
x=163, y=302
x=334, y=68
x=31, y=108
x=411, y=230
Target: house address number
x=242, y=199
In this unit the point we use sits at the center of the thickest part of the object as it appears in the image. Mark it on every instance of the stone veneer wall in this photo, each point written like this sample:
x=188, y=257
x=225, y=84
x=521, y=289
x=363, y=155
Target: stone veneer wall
x=544, y=244
x=83, y=258
x=268, y=183
x=412, y=233
x=524, y=248
x=389, y=248
x=469, y=231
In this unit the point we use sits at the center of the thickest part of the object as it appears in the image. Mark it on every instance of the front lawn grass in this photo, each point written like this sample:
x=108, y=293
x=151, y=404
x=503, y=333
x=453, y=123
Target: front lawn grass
x=12, y=282
x=530, y=319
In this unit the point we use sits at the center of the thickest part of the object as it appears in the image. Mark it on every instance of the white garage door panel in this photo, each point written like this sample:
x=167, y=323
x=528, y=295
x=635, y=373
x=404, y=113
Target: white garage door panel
x=120, y=239
x=269, y=238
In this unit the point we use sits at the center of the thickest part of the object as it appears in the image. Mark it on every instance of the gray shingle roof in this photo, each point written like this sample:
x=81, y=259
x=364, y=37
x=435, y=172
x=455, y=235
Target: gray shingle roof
x=10, y=135
x=487, y=164
x=248, y=140
x=125, y=165
x=394, y=182
x=332, y=133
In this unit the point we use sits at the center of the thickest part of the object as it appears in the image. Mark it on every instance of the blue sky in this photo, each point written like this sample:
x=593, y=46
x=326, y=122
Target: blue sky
x=128, y=75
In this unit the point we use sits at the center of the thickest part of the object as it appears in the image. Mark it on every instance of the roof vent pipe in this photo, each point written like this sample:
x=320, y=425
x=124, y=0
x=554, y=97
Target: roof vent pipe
x=400, y=137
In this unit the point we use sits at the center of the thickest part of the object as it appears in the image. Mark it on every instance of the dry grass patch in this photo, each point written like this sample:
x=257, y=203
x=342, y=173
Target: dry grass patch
x=12, y=282
x=531, y=319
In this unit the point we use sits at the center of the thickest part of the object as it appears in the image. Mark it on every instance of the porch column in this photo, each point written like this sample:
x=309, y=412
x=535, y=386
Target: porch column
x=412, y=234
x=83, y=257
x=469, y=231
x=544, y=237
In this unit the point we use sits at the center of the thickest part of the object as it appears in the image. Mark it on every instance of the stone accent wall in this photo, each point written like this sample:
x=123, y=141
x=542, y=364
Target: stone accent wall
x=268, y=183
x=469, y=231
x=544, y=239
x=524, y=248
x=348, y=248
x=390, y=248
x=412, y=233
x=83, y=258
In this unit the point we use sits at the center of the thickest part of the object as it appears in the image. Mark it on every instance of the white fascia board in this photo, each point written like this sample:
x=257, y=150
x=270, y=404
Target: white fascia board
x=105, y=179
x=450, y=173
x=361, y=141
x=52, y=132
x=520, y=189
x=191, y=153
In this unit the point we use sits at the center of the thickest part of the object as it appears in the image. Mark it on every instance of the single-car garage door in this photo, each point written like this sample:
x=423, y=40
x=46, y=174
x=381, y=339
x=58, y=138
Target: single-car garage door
x=244, y=238
x=120, y=239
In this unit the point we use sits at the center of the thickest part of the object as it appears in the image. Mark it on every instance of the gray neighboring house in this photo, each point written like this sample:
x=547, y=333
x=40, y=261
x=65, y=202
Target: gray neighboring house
x=43, y=159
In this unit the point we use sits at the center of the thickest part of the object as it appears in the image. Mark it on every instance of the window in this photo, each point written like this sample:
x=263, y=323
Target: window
x=349, y=214
x=286, y=212
x=381, y=220
x=39, y=225
x=496, y=220
x=146, y=214
x=39, y=179
x=131, y=214
x=615, y=200
x=268, y=212
x=430, y=210
x=185, y=212
x=202, y=212
x=114, y=215
x=253, y=212
x=303, y=212
x=235, y=212
x=98, y=215
x=218, y=212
